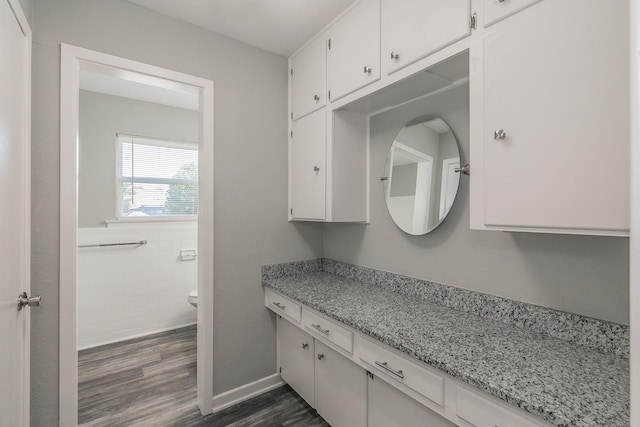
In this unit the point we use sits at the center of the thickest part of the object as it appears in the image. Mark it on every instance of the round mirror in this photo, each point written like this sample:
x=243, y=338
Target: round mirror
x=422, y=175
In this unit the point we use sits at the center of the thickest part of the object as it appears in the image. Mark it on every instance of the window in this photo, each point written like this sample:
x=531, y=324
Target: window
x=156, y=178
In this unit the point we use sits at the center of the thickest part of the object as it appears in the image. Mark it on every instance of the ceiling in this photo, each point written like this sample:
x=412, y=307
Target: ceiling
x=278, y=26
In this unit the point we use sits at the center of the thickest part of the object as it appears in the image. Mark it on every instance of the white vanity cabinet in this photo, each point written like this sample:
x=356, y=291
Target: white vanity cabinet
x=354, y=49
x=550, y=121
x=389, y=407
x=296, y=350
x=307, y=77
x=411, y=30
x=341, y=389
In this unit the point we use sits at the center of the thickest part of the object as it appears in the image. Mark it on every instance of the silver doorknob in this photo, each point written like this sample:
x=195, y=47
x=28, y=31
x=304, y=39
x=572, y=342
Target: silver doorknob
x=367, y=69
x=395, y=55
x=499, y=134
x=25, y=300
x=464, y=169
x=320, y=356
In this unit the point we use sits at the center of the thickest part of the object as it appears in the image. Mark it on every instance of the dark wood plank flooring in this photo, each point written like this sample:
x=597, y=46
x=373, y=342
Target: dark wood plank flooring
x=151, y=381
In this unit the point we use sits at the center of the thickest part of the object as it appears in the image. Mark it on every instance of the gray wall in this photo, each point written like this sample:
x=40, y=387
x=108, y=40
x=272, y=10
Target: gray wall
x=27, y=8
x=581, y=274
x=250, y=177
x=101, y=117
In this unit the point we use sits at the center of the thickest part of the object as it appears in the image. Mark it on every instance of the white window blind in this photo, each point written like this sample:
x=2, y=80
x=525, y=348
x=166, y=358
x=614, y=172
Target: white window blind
x=156, y=177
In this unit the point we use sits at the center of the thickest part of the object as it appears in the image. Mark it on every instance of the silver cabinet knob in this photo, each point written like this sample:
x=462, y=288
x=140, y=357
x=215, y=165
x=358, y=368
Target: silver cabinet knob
x=316, y=169
x=316, y=98
x=305, y=346
x=320, y=356
x=395, y=55
x=367, y=69
x=499, y=134
x=25, y=300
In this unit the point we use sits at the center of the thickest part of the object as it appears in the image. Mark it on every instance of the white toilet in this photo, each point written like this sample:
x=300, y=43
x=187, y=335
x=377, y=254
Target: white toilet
x=193, y=298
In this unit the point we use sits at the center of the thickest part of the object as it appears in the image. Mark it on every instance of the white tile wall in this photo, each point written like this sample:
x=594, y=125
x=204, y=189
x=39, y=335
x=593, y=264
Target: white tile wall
x=130, y=291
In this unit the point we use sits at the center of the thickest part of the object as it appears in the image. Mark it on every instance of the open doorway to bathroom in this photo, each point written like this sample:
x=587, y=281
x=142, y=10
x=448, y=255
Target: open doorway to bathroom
x=137, y=248
x=136, y=218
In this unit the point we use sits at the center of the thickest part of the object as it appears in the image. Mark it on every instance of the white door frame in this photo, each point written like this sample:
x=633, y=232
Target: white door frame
x=634, y=235
x=71, y=58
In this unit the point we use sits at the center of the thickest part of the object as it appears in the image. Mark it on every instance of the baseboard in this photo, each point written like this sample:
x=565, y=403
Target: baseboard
x=246, y=392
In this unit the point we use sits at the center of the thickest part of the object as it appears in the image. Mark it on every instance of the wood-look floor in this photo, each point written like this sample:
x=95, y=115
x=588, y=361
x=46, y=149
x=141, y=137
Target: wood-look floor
x=151, y=381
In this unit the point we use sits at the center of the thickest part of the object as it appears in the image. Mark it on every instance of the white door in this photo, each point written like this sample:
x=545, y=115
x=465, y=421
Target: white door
x=15, y=45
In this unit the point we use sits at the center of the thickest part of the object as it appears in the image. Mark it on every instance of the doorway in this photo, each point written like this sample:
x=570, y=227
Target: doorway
x=121, y=209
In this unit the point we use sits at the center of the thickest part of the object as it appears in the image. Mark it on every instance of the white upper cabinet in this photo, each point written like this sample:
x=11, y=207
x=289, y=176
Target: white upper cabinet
x=412, y=29
x=550, y=121
x=308, y=78
x=497, y=10
x=307, y=169
x=354, y=49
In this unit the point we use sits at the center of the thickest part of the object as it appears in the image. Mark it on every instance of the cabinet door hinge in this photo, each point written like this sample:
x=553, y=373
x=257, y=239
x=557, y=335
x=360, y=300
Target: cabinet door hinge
x=291, y=211
x=370, y=374
x=280, y=370
x=292, y=72
x=473, y=21
x=292, y=115
x=329, y=95
x=329, y=44
x=291, y=134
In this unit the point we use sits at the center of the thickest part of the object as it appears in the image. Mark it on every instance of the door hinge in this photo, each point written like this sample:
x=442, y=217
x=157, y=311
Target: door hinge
x=329, y=44
x=329, y=95
x=473, y=21
x=291, y=134
x=280, y=369
x=292, y=72
x=370, y=374
x=292, y=115
x=291, y=211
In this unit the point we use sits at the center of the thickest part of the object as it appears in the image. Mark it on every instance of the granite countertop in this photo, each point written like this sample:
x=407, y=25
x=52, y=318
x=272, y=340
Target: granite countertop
x=562, y=382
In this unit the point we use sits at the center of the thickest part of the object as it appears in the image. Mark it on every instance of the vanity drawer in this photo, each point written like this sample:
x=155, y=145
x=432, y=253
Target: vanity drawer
x=480, y=412
x=397, y=368
x=283, y=306
x=497, y=10
x=329, y=330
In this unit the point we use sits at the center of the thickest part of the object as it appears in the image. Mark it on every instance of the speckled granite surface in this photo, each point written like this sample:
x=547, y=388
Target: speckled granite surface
x=564, y=383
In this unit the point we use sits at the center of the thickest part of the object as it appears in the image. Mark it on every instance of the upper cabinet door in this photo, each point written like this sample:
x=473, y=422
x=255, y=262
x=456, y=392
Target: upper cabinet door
x=307, y=176
x=497, y=10
x=354, y=49
x=412, y=29
x=307, y=74
x=556, y=119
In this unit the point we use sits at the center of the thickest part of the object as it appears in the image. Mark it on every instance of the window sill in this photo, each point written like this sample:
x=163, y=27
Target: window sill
x=168, y=220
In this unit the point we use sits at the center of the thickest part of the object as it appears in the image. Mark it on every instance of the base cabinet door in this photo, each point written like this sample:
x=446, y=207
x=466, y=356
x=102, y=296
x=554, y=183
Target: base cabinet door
x=341, y=389
x=296, y=359
x=389, y=407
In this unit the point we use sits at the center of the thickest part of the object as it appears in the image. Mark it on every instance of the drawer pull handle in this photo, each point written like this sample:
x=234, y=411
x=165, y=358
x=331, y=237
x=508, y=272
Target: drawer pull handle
x=319, y=329
x=386, y=367
x=280, y=306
